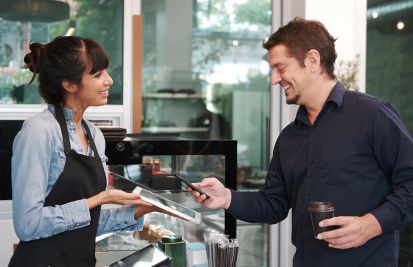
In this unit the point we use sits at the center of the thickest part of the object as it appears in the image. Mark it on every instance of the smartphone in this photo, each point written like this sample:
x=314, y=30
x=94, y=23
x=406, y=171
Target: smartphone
x=180, y=178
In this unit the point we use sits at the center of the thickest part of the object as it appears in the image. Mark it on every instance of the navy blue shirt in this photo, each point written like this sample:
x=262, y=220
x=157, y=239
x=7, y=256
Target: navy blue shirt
x=358, y=155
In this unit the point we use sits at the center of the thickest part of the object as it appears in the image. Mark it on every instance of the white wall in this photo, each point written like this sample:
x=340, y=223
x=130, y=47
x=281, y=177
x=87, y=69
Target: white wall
x=346, y=21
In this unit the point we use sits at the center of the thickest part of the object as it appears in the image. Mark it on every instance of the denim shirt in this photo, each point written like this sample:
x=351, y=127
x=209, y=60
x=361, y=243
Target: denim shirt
x=37, y=162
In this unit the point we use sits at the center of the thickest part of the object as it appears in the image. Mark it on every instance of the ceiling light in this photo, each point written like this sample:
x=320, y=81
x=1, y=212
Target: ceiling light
x=400, y=25
x=71, y=28
x=34, y=10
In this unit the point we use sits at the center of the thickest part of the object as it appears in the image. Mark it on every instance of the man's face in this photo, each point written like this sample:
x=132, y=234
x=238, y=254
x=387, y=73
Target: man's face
x=288, y=73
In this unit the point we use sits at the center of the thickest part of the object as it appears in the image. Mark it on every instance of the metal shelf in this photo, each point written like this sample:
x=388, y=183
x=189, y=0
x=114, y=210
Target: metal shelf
x=173, y=96
x=174, y=129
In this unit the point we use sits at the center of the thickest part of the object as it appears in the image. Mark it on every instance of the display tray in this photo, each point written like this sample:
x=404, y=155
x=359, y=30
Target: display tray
x=112, y=129
x=114, y=137
x=150, y=256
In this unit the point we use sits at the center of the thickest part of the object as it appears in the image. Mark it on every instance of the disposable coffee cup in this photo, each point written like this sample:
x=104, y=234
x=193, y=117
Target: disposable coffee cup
x=174, y=246
x=321, y=210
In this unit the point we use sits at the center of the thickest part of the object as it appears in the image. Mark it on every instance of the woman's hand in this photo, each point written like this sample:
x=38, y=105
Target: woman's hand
x=113, y=196
x=144, y=207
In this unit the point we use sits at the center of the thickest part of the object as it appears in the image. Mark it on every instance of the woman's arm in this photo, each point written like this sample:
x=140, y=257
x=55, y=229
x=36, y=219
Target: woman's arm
x=36, y=165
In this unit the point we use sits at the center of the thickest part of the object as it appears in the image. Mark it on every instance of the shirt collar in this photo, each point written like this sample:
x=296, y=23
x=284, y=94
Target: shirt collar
x=336, y=96
x=66, y=111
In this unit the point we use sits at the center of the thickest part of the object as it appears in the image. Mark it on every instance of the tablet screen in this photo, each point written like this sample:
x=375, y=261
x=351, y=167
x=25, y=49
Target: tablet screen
x=164, y=203
x=168, y=205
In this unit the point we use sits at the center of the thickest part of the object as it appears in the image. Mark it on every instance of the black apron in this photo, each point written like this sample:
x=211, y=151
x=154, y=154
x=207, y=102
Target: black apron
x=82, y=177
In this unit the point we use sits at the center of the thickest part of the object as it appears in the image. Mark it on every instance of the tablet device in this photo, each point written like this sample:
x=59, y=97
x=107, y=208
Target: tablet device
x=180, y=178
x=160, y=201
x=168, y=205
x=124, y=184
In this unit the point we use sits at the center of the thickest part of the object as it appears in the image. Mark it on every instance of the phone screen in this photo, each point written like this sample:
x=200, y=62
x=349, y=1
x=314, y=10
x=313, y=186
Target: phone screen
x=192, y=186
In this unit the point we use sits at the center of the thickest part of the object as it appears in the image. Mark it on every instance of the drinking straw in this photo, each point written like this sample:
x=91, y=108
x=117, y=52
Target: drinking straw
x=221, y=251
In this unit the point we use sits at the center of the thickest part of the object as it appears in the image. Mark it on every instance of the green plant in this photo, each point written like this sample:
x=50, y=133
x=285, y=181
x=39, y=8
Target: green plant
x=347, y=72
x=21, y=77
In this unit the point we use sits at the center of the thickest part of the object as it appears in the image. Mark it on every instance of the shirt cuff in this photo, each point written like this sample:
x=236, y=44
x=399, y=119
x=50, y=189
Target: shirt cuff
x=234, y=205
x=126, y=219
x=386, y=218
x=76, y=214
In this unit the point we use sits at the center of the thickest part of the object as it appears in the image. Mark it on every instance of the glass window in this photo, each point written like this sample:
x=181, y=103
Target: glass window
x=389, y=75
x=22, y=22
x=206, y=75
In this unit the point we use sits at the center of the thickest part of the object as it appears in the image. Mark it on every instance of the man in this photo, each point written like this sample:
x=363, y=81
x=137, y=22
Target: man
x=345, y=147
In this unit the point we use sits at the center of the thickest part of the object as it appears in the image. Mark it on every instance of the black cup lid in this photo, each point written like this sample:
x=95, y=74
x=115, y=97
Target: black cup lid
x=171, y=238
x=320, y=206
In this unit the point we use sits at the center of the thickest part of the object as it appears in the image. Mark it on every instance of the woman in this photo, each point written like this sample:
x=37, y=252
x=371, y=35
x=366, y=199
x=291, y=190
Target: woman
x=59, y=168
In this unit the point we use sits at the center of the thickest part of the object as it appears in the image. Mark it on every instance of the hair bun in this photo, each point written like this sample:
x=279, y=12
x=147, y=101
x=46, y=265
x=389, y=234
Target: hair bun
x=32, y=59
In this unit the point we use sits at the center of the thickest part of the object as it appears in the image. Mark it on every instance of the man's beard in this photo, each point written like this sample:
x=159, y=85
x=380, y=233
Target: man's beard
x=293, y=100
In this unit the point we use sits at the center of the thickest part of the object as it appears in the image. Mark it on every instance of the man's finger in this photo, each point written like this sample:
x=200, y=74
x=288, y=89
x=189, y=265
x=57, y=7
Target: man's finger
x=340, y=221
x=206, y=182
x=332, y=234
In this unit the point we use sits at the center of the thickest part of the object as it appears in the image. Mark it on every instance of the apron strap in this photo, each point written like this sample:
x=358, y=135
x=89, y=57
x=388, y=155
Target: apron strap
x=89, y=137
x=63, y=127
x=66, y=141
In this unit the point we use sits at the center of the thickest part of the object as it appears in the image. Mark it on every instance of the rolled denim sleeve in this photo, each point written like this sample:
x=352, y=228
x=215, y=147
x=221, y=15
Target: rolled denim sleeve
x=118, y=219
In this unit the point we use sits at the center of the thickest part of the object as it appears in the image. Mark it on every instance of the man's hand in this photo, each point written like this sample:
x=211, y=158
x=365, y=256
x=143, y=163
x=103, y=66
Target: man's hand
x=353, y=232
x=220, y=197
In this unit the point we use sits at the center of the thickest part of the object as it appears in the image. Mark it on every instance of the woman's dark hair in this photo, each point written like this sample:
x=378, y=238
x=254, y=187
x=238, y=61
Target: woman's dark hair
x=300, y=36
x=64, y=58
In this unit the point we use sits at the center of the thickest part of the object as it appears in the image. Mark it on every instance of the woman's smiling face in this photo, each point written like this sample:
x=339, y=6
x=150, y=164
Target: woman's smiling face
x=94, y=88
